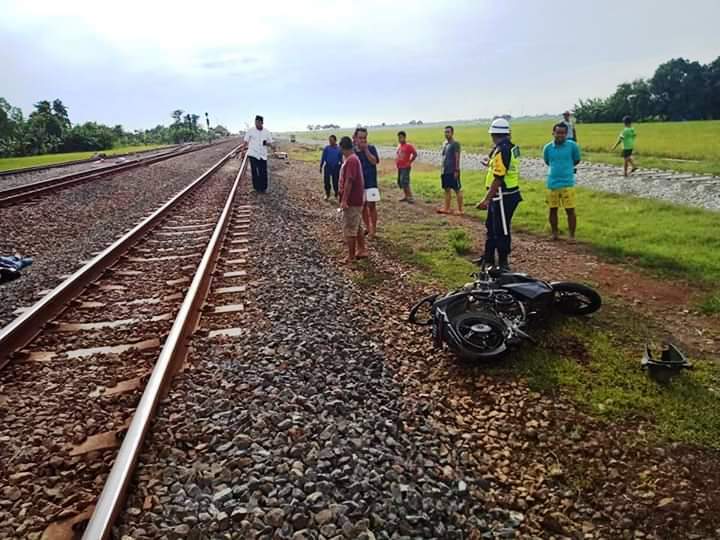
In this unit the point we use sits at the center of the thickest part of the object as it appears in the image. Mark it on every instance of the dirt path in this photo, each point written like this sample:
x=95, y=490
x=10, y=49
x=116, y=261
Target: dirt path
x=561, y=472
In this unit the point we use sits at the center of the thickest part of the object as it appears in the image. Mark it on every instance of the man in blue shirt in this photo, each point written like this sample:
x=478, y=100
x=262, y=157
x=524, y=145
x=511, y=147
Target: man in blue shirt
x=562, y=156
x=332, y=160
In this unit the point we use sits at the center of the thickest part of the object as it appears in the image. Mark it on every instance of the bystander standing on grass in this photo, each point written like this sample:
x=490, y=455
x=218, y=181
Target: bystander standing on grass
x=450, y=174
x=406, y=154
x=369, y=158
x=627, y=138
x=561, y=156
x=569, y=124
x=330, y=162
x=352, y=198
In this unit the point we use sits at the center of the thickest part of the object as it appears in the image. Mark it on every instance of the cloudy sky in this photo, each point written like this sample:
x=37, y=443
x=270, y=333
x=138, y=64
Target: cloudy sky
x=316, y=61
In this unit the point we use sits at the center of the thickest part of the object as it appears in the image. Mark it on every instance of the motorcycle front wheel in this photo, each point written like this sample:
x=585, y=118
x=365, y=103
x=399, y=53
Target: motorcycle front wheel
x=575, y=299
x=482, y=336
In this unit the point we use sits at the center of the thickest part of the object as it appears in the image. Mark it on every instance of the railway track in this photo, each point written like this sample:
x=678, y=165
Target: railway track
x=77, y=359
x=62, y=164
x=23, y=192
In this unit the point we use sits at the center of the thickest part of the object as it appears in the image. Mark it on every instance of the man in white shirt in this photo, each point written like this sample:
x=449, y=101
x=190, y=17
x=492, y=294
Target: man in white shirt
x=257, y=141
x=570, y=125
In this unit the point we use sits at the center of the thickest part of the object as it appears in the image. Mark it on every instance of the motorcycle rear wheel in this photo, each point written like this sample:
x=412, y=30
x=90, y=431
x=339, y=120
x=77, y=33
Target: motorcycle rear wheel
x=482, y=336
x=575, y=299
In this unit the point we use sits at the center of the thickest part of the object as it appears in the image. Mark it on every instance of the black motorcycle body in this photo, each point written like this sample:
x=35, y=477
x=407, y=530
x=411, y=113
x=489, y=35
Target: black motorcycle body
x=484, y=318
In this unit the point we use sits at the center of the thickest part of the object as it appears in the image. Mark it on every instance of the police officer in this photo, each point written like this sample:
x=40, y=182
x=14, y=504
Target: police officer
x=503, y=193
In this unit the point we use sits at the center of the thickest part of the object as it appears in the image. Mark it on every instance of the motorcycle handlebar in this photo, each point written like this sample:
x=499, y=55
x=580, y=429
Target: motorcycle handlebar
x=412, y=317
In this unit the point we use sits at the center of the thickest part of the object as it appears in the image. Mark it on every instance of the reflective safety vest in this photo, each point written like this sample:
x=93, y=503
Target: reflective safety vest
x=512, y=173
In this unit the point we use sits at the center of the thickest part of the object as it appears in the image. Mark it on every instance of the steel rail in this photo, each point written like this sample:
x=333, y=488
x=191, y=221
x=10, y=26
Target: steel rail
x=17, y=194
x=169, y=361
x=36, y=168
x=29, y=324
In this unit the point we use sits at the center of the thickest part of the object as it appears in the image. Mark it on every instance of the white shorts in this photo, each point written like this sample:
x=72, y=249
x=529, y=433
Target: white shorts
x=372, y=195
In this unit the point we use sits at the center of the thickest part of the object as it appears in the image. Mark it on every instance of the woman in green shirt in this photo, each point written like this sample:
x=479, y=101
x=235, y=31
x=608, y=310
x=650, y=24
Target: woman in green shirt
x=627, y=138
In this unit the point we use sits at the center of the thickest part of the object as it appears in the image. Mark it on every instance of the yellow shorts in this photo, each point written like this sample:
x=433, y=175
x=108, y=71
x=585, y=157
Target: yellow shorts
x=564, y=197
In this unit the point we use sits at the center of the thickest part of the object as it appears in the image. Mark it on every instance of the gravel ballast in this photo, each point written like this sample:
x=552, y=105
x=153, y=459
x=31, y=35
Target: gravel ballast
x=296, y=428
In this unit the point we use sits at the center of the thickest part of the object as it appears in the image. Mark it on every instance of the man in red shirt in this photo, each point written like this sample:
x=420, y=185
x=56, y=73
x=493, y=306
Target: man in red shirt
x=406, y=154
x=352, y=200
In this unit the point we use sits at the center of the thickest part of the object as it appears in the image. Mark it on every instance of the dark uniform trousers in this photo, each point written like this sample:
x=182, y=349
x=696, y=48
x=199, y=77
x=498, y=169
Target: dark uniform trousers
x=496, y=239
x=331, y=174
x=258, y=168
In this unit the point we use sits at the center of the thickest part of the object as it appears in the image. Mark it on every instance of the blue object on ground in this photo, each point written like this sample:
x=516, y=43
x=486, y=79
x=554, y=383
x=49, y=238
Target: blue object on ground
x=10, y=267
x=18, y=263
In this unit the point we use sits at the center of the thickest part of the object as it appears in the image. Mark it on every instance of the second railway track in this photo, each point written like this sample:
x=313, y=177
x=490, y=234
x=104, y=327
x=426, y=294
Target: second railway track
x=23, y=192
x=69, y=396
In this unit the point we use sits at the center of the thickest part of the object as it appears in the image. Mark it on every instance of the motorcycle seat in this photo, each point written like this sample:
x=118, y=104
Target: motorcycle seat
x=500, y=273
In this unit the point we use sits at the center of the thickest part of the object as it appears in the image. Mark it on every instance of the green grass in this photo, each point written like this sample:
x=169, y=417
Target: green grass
x=432, y=253
x=710, y=304
x=665, y=238
x=7, y=164
x=603, y=373
x=596, y=361
x=685, y=146
x=302, y=153
x=460, y=241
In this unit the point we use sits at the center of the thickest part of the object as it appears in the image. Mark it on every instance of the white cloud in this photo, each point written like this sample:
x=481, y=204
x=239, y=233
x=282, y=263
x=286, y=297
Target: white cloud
x=332, y=61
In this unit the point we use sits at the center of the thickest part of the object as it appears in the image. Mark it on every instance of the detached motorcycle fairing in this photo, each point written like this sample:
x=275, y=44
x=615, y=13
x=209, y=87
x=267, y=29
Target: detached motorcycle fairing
x=485, y=317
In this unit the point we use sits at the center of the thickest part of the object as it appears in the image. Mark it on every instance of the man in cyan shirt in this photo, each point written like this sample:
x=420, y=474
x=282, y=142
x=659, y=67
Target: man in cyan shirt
x=331, y=159
x=406, y=154
x=562, y=156
x=257, y=140
x=352, y=198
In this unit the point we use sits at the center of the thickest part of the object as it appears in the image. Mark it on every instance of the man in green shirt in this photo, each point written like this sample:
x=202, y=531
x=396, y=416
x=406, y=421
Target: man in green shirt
x=627, y=138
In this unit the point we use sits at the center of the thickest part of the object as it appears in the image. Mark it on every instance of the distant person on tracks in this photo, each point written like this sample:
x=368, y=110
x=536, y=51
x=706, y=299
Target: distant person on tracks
x=257, y=140
x=369, y=158
x=330, y=163
x=569, y=124
x=405, y=155
x=502, y=182
x=561, y=156
x=627, y=138
x=450, y=173
x=352, y=200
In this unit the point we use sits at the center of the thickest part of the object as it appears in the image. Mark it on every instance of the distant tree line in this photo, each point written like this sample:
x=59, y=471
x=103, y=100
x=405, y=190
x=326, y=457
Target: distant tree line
x=679, y=90
x=318, y=127
x=48, y=130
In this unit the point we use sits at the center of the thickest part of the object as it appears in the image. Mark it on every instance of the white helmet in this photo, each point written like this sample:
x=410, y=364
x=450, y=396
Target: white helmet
x=499, y=126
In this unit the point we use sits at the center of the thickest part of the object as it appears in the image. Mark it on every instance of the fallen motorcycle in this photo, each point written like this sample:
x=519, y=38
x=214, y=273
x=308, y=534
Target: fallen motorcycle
x=482, y=319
